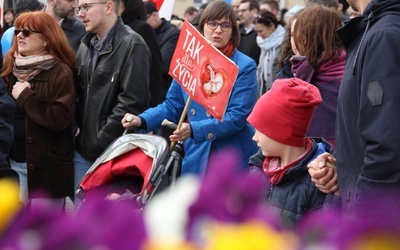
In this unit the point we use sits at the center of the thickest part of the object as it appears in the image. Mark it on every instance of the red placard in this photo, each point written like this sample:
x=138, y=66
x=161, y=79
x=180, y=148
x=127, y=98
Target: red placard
x=205, y=74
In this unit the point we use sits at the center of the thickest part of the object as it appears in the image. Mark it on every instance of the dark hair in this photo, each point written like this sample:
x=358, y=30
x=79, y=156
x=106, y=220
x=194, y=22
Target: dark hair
x=219, y=9
x=345, y=5
x=328, y=3
x=134, y=9
x=203, y=6
x=253, y=4
x=6, y=25
x=175, y=17
x=190, y=10
x=265, y=17
x=272, y=3
x=321, y=39
x=57, y=43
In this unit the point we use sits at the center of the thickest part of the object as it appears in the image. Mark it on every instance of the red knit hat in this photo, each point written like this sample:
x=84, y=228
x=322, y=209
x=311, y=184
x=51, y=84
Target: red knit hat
x=285, y=111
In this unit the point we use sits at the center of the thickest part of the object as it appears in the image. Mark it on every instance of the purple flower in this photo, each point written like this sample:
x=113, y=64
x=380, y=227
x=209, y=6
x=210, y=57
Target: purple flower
x=100, y=223
x=228, y=195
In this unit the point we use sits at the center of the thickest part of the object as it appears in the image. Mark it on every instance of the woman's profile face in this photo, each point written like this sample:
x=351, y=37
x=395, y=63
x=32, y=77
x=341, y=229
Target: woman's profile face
x=292, y=44
x=218, y=36
x=30, y=42
x=263, y=30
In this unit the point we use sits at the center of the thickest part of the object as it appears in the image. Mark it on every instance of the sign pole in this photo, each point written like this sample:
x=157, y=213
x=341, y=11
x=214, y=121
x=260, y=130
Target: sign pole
x=183, y=116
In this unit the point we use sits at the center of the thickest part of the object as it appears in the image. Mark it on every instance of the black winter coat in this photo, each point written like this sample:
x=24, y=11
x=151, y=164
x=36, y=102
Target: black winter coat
x=167, y=36
x=248, y=44
x=367, y=120
x=150, y=37
x=7, y=107
x=74, y=30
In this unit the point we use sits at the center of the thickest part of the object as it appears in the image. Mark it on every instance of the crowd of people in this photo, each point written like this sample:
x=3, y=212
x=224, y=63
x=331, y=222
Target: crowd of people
x=311, y=112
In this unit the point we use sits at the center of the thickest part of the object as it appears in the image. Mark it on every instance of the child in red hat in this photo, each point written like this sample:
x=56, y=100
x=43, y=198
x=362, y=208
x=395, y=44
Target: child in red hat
x=281, y=118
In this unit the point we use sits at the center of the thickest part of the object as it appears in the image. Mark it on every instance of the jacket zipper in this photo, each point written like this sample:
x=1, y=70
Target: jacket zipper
x=271, y=189
x=88, y=91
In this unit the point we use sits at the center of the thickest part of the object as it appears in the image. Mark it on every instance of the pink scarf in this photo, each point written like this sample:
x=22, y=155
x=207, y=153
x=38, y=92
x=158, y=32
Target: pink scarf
x=27, y=67
x=273, y=169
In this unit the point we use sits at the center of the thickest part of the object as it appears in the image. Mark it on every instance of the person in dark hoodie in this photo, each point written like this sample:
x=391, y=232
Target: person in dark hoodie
x=133, y=14
x=284, y=148
x=7, y=107
x=167, y=37
x=367, y=124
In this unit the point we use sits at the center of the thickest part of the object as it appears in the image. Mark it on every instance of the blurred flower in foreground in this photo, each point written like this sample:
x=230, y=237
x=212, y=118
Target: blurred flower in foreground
x=229, y=202
x=166, y=215
x=251, y=235
x=9, y=202
x=376, y=226
x=220, y=211
x=99, y=224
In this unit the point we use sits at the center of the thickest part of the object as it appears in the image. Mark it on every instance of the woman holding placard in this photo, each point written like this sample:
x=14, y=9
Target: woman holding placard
x=203, y=134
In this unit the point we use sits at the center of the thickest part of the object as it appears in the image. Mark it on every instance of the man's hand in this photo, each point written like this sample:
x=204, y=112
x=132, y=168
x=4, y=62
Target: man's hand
x=323, y=173
x=129, y=121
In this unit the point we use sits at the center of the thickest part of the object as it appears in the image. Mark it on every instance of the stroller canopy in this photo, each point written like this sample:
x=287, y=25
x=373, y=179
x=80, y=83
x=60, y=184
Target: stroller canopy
x=131, y=155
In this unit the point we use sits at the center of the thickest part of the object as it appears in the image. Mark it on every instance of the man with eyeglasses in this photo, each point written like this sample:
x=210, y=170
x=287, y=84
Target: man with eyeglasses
x=63, y=12
x=248, y=9
x=112, y=78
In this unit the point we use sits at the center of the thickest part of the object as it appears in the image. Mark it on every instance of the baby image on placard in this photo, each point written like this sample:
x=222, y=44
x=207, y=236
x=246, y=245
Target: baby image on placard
x=213, y=80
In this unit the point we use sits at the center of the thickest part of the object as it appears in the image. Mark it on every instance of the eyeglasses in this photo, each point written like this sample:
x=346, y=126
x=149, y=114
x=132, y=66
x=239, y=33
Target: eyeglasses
x=85, y=7
x=25, y=32
x=225, y=26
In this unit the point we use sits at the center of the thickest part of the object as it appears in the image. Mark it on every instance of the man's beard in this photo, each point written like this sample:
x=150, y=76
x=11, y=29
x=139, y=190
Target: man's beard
x=62, y=13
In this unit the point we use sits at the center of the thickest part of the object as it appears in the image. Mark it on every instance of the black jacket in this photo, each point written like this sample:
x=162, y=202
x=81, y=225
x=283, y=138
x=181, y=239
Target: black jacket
x=74, y=31
x=7, y=107
x=248, y=44
x=150, y=37
x=118, y=84
x=367, y=121
x=296, y=194
x=167, y=36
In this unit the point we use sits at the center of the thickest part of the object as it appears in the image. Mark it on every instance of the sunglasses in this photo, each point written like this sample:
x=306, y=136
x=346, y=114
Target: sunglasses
x=25, y=32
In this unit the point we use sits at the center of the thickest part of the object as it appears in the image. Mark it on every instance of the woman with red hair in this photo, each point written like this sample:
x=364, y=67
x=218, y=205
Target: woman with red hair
x=38, y=75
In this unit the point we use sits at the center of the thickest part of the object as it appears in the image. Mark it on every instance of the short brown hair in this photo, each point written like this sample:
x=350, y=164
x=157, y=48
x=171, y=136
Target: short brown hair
x=217, y=10
x=272, y=3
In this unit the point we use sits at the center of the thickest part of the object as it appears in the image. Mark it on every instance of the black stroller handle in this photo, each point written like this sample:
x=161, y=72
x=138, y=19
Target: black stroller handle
x=173, y=167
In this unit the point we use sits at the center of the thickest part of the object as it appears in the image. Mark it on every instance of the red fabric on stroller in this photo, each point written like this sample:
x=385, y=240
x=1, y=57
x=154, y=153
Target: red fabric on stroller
x=133, y=163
